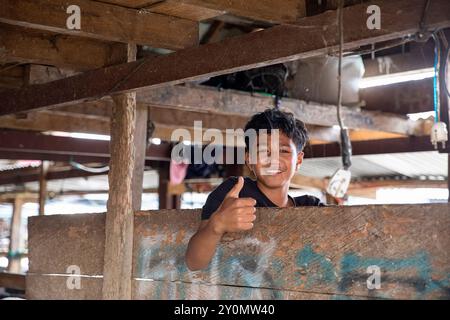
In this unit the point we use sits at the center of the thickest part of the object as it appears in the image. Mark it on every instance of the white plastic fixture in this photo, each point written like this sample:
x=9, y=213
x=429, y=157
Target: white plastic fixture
x=339, y=183
x=439, y=134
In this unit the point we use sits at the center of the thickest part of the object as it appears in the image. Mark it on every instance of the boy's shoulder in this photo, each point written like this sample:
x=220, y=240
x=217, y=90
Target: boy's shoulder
x=250, y=190
x=308, y=200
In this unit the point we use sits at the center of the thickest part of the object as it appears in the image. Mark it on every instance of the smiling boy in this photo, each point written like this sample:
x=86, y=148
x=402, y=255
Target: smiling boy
x=231, y=206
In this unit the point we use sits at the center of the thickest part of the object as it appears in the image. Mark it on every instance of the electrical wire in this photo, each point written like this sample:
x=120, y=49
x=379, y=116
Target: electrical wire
x=341, y=49
x=423, y=19
x=374, y=50
x=436, y=81
x=447, y=57
x=346, y=146
x=89, y=169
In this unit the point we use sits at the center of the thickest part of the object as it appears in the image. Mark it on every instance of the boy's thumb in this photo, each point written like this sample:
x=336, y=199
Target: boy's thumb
x=234, y=192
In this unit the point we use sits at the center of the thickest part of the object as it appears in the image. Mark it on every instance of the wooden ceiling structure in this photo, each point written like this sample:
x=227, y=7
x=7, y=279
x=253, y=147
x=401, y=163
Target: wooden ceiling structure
x=56, y=79
x=101, y=79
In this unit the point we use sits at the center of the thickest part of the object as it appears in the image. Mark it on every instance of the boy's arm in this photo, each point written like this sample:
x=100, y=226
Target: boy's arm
x=202, y=246
x=234, y=214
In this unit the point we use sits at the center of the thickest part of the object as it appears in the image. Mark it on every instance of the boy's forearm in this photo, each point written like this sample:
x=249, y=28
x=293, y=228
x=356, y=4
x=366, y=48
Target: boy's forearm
x=201, y=248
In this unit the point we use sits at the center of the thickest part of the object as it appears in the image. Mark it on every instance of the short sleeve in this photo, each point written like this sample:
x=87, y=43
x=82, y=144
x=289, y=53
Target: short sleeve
x=308, y=200
x=216, y=197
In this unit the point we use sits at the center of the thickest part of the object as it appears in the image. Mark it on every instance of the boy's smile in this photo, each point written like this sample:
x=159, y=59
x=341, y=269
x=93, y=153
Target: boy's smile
x=275, y=168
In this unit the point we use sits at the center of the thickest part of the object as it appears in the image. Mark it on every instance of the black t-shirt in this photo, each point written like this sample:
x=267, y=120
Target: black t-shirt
x=249, y=190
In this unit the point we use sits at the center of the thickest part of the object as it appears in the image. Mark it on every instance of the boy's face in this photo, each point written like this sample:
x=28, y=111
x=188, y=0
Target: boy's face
x=275, y=168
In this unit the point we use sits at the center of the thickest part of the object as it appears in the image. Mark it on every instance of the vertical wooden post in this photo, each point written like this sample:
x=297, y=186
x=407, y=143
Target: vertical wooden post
x=43, y=186
x=445, y=110
x=119, y=218
x=163, y=187
x=166, y=199
x=15, y=236
x=140, y=145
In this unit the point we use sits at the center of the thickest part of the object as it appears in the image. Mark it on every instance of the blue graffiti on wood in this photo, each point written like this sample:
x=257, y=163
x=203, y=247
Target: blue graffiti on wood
x=324, y=269
x=262, y=269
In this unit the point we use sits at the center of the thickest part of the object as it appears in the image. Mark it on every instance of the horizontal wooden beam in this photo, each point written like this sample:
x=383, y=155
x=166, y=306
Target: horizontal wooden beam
x=26, y=145
x=53, y=121
x=271, y=11
x=21, y=178
x=206, y=99
x=9, y=197
x=31, y=142
x=166, y=119
x=236, y=107
x=185, y=9
x=358, y=187
x=130, y=3
x=12, y=281
x=273, y=45
x=383, y=146
x=24, y=45
x=11, y=75
x=93, y=117
x=418, y=59
x=400, y=98
x=111, y=23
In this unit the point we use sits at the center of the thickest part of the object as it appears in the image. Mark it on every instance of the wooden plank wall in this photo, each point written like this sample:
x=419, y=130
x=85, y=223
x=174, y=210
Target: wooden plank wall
x=301, y=253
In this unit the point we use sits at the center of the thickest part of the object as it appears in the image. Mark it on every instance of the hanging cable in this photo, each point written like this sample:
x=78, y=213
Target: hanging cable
x=445, y=62
x=346, y=147
x=340, y=181
x=88, y=169
x=341, y=53
x=439, y=131
x=423, y=18
x=436, y=81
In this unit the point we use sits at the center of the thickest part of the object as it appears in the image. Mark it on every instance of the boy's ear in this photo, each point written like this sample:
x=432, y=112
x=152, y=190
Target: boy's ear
x=247, y=158
x=299, y=159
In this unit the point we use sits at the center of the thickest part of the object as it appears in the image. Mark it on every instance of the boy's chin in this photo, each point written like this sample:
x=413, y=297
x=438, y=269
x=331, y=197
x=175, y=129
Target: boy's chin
x=273, y=181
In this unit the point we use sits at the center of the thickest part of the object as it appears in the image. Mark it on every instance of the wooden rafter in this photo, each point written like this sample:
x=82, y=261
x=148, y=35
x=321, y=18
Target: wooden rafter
x=274, y=45
x=24, y=45
x=111, y=23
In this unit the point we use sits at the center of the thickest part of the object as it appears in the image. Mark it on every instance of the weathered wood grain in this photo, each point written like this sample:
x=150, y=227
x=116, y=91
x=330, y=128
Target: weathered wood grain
x=102, y=21
x=119, y=218
x=325, y=250
x=166, y=290
x=271, y=11
x=25, y=45
x=12, y=280
x=59, y=241
x=305, y=251
x=48, y=287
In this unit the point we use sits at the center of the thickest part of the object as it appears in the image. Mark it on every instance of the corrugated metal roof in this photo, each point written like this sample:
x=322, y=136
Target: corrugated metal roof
x=18, y=164
x=412, y=165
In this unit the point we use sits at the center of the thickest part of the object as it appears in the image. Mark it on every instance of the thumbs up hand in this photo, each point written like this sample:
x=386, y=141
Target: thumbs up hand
x=234, y=214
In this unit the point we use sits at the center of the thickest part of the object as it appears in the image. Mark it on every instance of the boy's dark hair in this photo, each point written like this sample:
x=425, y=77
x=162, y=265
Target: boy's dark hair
x=284, y=121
